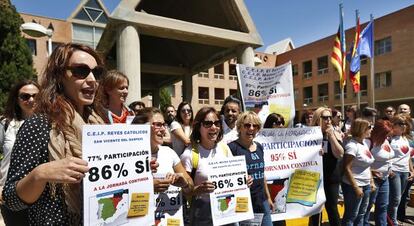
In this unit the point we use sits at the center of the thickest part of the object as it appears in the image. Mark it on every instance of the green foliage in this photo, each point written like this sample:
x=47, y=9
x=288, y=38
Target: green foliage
x=16, y=61
x=165, y=97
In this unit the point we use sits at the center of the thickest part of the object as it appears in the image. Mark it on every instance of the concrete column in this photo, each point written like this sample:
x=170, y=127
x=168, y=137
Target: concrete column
x=156, y=98
x=246, y=57
x=129, y=60
x=187, y=88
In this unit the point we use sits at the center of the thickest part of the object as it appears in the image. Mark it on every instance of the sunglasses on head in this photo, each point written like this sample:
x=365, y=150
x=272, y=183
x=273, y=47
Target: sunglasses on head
x=26, y=96
x=158, y=125
x=249, y=125
x=82, y=71
x=208, y=124
x=326, y=117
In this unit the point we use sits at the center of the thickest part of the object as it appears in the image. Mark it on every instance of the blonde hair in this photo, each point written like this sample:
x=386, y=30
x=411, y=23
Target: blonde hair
x=248, y=116
x=358, y=127
x=316, y=120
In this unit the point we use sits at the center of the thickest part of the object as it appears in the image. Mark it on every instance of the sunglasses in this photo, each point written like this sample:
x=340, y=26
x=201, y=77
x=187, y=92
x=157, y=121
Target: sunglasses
x=278, y=123
x=158, y=125
x=401, y=124
x=208, y=124
x=26, y=96
x=326, y=117
x=249, y=125
x=186, y=110
x=82, y=71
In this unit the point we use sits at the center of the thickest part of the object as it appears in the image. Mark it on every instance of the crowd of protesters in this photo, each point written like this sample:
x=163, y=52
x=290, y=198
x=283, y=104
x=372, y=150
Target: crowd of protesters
x=366, y=159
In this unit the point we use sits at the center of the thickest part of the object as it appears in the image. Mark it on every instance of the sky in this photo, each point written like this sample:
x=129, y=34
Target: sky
x=304, y=21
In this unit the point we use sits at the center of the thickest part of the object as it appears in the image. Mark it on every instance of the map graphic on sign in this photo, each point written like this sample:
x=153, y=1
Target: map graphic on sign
x=112, y=207
x=226, y=205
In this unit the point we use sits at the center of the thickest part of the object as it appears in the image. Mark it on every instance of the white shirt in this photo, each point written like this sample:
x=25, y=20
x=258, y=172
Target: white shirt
x=402, y=151
x=6, y=143
x=360, y=167
x=205, y=156
x=166, y=158
x=177, y=144
x=229, y=134
x=383, y=155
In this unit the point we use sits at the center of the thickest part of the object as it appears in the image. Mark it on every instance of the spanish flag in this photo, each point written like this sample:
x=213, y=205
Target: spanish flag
x=339, y=51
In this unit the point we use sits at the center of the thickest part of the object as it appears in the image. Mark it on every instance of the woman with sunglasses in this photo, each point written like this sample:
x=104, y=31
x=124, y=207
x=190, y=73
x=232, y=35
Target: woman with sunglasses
x=19, y=107
x=332, y=152
x=401, y=167
x=274, y=120
x=46, y=168
x=206, y=145
x=248, y=125
x=181, y=128
x=338, y=123
x=357, y=182
x=382, y=153
x=113, y=92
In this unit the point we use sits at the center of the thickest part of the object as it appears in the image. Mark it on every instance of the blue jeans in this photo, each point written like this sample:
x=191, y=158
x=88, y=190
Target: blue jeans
x=380, y=198
x=355, y=208
x=397, y=186
x=267, y=219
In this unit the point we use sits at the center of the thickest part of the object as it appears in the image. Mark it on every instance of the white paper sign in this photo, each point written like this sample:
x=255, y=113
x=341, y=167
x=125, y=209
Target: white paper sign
x=168, y=205
x=230, y=201
x=118, y=189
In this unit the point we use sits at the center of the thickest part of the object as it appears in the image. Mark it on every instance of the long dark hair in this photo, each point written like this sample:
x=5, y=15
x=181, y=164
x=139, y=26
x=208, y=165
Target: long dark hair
x=180, y=107
x=273, y=118
x=199, y=118
x=52, y=100
x=12, y=109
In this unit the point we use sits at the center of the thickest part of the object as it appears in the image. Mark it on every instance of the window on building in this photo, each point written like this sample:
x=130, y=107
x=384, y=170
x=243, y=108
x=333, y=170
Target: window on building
x=307, y=69
x=383, y=46
x=203, y=74
x=295, y=70
x=32, y=46
x=218, y=96
x=232, y=72
x=323, y=92
x=337, y=90
x=233, y=92
x=382, y=79
x=307, y=95
x=322, y=65
x=363, y=85
x=364, y=59
x=203, y=95
x=219, y=71
x=87, y=35
x=92, y=12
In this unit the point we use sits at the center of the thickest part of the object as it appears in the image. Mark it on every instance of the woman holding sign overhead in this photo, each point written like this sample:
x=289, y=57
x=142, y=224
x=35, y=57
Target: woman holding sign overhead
x=46, y=166
x=248, y=124
x=206, y=136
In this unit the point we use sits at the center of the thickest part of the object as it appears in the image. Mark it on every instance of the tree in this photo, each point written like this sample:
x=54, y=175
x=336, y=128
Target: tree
x=165, y=98
x=16, y=61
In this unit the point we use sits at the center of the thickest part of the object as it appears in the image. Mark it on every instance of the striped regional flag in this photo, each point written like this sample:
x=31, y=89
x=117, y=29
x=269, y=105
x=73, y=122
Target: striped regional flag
x=338, y=60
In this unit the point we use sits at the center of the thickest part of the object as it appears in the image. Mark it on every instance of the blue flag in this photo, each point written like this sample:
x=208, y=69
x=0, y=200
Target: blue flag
x=366, y=46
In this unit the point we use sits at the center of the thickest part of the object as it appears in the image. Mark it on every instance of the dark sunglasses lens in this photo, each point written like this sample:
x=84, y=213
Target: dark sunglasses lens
x=26, y=96
x=208, y=124
x=80, y=71
x=98, y=72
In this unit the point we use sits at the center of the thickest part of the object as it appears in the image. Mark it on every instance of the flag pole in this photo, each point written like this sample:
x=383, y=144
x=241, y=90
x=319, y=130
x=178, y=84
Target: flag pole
x=372, y=67
x=359, y=91
x=342, y=85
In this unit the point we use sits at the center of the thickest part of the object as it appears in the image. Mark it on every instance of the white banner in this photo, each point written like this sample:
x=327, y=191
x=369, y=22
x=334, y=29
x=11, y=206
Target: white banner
x=268, y=90
x=293, y=168
x=169, y=205
x=230, y=201
x=118, y=189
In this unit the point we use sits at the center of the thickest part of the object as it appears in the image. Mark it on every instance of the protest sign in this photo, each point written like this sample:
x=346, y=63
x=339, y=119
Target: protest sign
x=268, y=90
x=169, y=205
x=118, y=189
x=293, y=168
x=230, y=201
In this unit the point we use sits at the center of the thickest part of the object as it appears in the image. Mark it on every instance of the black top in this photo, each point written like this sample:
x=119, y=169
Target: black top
x=331, y=169
x=255, y=168
x=29, y=151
